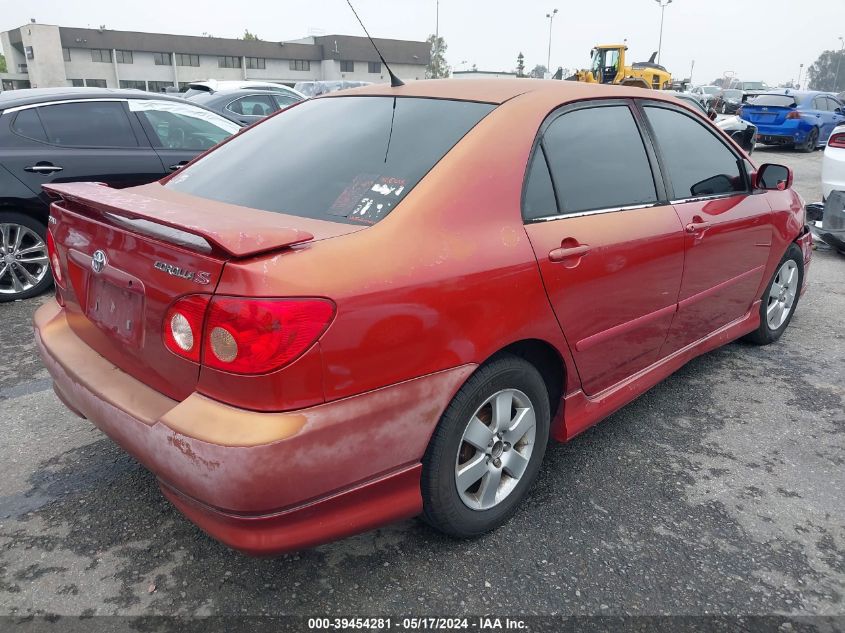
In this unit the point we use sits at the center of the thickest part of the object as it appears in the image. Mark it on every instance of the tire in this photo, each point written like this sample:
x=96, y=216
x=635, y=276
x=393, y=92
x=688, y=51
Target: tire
x=23, y=277
x=811, y=142
x=472, y=414
x=771, y=330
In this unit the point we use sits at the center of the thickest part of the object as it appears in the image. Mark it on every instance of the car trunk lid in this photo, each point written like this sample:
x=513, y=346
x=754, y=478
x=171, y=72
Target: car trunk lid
x=127, y=255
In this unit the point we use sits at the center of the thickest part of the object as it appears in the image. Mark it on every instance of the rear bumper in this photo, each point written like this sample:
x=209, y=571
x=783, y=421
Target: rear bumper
x=263, y=483
x=786, y=134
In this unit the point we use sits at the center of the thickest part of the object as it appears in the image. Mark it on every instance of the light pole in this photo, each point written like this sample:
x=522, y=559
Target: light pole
x=663, y=4
x=800, y=70
x=838, y=64
x=551, y=17
x=435, y=65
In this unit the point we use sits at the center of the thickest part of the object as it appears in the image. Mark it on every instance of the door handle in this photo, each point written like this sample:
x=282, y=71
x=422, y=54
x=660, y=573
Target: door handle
x=569, y=249
x=696, y=225
x=42, y=168
x=178, y=165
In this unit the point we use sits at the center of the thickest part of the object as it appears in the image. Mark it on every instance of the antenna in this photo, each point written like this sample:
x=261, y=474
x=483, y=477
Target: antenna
x=395, y=82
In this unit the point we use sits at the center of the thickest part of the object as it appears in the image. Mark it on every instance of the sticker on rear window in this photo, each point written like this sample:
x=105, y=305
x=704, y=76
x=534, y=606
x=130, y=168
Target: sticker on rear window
x=369, y=198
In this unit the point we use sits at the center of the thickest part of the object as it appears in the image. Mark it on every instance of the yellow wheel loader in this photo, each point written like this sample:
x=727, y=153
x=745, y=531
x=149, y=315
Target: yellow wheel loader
x=608, y=67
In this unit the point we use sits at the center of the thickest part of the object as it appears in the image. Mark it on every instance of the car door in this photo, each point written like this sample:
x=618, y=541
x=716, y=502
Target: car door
x=608, y=245
x=180, y=131
x=78, y=140
x=727, y=226
x=252, y=108
x=834, y=114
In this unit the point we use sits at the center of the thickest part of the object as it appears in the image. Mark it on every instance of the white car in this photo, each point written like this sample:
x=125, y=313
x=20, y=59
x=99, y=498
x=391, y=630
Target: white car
x=833, y=163
x=213, y=85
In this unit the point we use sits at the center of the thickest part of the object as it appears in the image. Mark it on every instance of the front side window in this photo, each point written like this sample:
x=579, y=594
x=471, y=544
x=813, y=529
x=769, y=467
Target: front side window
x=181, y=126
x=362, y=171
x=162, y=59
x=284, y=100
x=123, y=57
x=598, y=160
x=374, y=67
x=707, y=170
x=252, y=105
x=88, y=124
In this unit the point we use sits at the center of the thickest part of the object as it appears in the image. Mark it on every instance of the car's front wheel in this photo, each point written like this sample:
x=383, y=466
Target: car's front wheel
x=24, y=263
x=487, y=448
x=780, y=298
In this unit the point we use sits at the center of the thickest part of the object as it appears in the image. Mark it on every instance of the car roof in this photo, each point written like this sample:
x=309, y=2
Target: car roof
x=28, y=96
x=499, y=90
x=220, y=96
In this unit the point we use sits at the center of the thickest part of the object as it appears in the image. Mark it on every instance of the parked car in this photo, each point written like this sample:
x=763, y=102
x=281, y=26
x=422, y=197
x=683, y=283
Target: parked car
x=214, y=85
x=803, y=120
x=393, y=317
x=118, y=137
x=247, y=105
x=833, y=163
x=727, y=101
x=742, y=132
x=317, y=88
x=705, y=94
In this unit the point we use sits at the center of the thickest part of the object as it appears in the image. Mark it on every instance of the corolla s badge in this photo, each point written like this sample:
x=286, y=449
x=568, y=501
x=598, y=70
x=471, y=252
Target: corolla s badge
x=199, y=276
x=98, y=261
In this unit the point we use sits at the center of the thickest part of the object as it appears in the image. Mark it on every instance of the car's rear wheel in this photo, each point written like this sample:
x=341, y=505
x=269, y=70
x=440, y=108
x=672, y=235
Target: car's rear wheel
x=812, y=140
x=24, y=263
x=487, y=448
x=780, y=298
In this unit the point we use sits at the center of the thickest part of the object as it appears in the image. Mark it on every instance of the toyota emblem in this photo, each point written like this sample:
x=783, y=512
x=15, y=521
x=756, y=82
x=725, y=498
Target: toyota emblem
x=98, y=261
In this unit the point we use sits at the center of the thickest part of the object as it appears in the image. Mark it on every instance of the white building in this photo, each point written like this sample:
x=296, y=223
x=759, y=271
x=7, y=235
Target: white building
x=43, y=56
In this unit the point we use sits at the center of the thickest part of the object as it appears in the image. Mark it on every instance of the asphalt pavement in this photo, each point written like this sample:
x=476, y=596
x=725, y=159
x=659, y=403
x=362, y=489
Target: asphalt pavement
x=721, y=490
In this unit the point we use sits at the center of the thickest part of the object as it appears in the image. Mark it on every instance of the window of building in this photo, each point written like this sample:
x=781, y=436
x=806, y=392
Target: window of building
x=227, y=61
x=374, y=67
x=347, y=66
x=95, y=83
x=131, y=83
x=256, y=63
x=66, y=54
x=77, y=83
x=100, y=55
x=539, y=199
x=123, y=57
x=88, y=124
x=577, y=156
x=162, y=59
x=300, y=64
x=183, y=59
x=159, y=86
x=712, y=169
x=27, y=124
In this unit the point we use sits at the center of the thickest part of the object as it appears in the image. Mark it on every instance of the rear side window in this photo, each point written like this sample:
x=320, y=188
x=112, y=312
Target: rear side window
x=598, y=160
x=28, y=124
x=698, y=163
x=539, y=200
x=312, y=162
x=88, y=124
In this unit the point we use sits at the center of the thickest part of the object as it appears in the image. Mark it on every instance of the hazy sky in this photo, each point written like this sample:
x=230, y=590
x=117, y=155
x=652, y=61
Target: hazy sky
x=757, y=39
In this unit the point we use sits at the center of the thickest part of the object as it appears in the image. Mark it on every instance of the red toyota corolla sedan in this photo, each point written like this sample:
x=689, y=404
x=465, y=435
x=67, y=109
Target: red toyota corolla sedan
x=382, y=303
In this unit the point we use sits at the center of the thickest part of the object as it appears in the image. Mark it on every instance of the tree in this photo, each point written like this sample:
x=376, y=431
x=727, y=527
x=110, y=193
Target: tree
x=438, y=68
x=538, y=72
x=2, y=63
x=250, y=36
x=520, y=65
x=828, y=72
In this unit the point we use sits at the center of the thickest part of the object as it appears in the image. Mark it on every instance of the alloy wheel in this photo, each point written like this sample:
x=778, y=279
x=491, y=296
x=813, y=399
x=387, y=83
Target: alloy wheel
x=495, y=449
x=23, y=259
x=782, y=295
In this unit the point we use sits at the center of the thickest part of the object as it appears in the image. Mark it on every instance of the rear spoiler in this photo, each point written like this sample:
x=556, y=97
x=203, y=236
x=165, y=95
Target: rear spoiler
x=245, y=233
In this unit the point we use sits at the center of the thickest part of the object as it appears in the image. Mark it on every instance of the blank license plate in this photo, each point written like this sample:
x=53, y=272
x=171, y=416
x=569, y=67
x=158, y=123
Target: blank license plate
x=116, y=310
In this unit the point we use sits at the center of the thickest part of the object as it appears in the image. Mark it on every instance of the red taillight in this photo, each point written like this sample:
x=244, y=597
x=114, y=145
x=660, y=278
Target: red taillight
x=793, y=115
x=182, y=330
x=256, y=336
x=837, y=140
x=55, y=266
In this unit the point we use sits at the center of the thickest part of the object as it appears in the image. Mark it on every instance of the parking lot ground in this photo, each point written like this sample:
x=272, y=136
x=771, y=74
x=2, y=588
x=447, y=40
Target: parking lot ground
x=721, y=490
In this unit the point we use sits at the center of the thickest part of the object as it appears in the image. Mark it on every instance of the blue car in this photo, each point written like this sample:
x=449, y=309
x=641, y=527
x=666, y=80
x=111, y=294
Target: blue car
x=803, y=120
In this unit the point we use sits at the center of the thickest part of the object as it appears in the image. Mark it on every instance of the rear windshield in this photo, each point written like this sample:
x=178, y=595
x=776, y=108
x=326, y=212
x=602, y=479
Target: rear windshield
x=346, y=159
x=783, y=101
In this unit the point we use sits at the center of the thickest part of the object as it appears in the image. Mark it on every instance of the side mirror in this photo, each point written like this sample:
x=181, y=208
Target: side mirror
x=711, y=114
x=773, y=177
